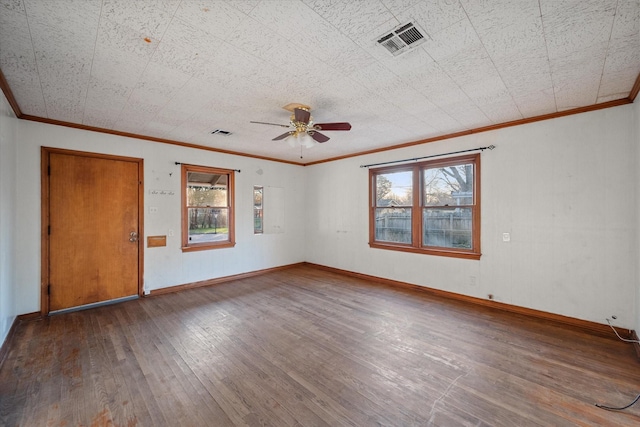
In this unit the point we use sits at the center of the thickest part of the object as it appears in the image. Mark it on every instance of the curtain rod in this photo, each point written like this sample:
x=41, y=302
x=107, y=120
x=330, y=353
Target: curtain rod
x=236, y=170
x=490, y=147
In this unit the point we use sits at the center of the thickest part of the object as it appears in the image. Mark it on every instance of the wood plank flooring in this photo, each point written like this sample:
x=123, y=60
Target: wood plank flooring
x=307, y=347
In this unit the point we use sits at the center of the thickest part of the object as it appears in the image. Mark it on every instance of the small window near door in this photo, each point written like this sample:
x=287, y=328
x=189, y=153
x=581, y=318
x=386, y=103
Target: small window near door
x=257, y=210
x=207, y=215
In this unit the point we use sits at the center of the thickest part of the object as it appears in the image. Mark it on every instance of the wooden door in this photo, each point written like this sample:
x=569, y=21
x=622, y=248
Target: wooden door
x=93, y=228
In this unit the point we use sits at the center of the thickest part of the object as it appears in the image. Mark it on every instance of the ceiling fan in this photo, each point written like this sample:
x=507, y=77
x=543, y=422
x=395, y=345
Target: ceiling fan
x=301, y=124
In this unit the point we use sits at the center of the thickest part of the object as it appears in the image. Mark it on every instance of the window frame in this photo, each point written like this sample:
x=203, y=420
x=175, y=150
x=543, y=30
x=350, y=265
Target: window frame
x=230, y=242
x=417, y=208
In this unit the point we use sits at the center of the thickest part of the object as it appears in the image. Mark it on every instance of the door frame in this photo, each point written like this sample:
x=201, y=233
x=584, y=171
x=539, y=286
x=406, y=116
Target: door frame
x=45, y=216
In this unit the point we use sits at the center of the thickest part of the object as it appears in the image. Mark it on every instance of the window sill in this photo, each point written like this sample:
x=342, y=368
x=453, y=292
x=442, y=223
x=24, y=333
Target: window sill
x=430, y=251
x=205, y=247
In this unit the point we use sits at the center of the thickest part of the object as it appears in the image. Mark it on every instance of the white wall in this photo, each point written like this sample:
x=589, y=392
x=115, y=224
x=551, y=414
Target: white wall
x=8, y=142
x=165, y=266
x=565, y=189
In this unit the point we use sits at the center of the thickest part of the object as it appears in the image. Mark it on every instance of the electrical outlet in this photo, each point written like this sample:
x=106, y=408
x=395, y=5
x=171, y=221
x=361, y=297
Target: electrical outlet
x=472, y=280
x=153, y=209
x=506, y=237
x=170, y=233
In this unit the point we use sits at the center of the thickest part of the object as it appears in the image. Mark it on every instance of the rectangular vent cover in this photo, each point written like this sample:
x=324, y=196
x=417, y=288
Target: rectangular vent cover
x=402, y=39
x=220, y=132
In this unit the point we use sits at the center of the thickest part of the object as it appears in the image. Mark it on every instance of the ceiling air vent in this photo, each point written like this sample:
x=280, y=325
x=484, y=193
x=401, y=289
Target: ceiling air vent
x=402, y=39
x=220, y=132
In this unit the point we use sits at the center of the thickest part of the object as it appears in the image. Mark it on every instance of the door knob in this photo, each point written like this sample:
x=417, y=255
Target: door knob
x=133, y=236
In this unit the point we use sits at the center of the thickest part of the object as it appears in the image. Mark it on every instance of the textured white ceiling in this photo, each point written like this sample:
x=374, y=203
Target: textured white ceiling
x=180, y=69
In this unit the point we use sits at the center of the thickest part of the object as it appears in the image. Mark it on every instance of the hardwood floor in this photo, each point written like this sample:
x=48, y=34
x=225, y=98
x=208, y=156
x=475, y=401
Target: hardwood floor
x=306, y=347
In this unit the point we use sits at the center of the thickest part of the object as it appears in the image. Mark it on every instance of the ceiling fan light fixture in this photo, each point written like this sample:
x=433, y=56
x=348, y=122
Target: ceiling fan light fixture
x=301, y=125
x=300, y=139
x=292, y=142
x=306, y=141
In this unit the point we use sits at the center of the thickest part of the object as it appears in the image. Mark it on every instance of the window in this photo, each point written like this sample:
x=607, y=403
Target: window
x=257, y=210
x=207, y=208
x=430, y=207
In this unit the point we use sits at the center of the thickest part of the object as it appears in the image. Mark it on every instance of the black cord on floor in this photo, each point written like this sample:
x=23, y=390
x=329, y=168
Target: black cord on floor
x=609, y=408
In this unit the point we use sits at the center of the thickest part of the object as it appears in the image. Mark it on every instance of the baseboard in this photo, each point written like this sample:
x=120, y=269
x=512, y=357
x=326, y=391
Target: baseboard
x=4, y=349
x=36, y=315
x=219, y=280
x=585, y=325
x=603, y=330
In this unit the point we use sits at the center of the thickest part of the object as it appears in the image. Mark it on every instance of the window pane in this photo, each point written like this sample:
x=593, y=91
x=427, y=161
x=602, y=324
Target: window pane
x=393, y=225
x=208, y=225
x=449, y=228
x=207, y=190
x=394, y=189
x=448, y=186
x=257, y=210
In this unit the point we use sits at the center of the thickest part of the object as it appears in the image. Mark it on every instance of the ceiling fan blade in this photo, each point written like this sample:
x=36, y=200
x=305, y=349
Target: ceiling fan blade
x=301, y=115
x=319, y=137
x=273, y=124
x=283, y=136
x=333, y=126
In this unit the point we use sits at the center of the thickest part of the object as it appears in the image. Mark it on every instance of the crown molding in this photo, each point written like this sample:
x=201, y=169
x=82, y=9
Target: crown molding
x=9, y=95
x=635, y=89
x=624, y=101
x=609, y=104
x=151, y=138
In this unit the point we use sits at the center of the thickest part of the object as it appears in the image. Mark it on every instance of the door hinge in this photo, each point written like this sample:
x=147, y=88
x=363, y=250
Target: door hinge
x=49, y=230
x=49, y=170
x=48, y=289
